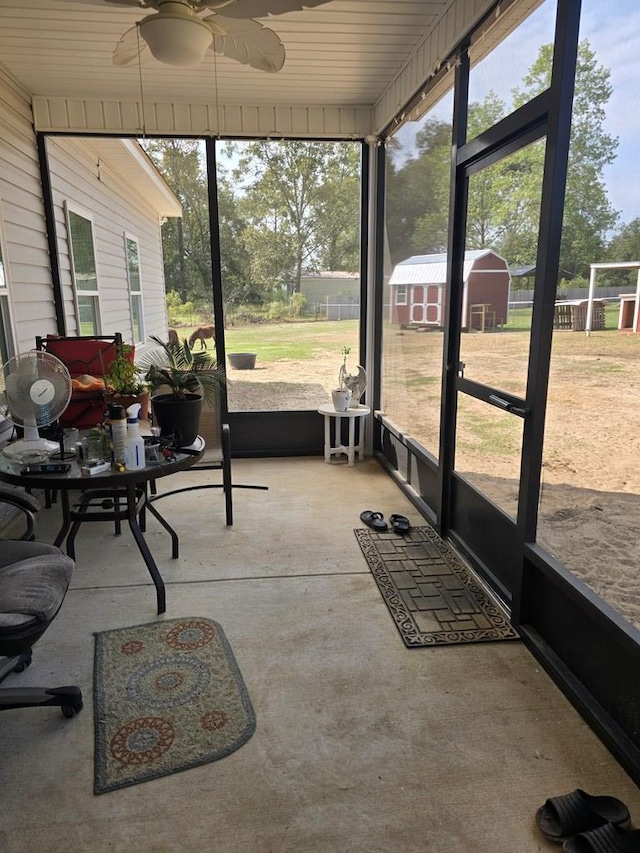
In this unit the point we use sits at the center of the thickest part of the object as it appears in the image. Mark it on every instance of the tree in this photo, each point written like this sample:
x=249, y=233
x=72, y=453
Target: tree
x=300, y=203
x=624, y=246
x=186, y=240
x=504, y=198
x=417, y=203
x=503, y=211
x=588, y=214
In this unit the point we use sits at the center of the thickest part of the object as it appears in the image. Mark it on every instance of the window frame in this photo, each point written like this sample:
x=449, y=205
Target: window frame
x=134, y=294
x=69, y=209
x=402, y=295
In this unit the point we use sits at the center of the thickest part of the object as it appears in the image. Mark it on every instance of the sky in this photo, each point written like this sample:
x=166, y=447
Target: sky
x=613, y=30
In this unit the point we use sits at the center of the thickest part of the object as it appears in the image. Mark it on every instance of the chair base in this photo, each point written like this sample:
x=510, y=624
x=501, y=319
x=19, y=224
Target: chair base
x=14, y=664
x=68, y=698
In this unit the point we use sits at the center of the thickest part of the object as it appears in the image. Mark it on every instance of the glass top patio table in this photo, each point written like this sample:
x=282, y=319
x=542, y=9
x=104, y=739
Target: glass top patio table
x=110, y=496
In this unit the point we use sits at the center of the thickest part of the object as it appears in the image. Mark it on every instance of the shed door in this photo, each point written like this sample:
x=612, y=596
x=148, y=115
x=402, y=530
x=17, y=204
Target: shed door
x=426, y=304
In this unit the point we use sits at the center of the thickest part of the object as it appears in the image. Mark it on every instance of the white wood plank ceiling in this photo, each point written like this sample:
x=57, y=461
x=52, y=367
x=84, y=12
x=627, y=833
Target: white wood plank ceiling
x=345, y=55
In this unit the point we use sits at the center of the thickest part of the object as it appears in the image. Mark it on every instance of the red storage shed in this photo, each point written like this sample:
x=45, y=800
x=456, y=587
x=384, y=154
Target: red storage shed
x=418, y=290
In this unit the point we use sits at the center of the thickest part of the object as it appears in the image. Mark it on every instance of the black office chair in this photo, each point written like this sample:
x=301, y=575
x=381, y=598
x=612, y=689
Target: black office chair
x=34, y=578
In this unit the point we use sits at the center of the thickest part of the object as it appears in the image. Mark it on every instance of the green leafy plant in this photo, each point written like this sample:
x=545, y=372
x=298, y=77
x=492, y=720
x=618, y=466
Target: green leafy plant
x=124, y=376
x=181, y=371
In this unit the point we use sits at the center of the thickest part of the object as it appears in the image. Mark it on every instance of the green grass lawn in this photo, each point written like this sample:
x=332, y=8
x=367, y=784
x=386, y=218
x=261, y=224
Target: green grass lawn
x=300, y=341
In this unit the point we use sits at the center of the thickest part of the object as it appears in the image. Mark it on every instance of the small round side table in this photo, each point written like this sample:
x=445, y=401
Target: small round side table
x=351, y=448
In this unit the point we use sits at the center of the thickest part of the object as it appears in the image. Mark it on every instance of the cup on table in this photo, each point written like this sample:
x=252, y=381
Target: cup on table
x=92, y=449
x=70, y=439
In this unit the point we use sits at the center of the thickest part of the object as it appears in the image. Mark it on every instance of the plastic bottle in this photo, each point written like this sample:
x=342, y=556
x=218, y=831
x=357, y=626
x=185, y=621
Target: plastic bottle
x=134, y=444
x=117, y=433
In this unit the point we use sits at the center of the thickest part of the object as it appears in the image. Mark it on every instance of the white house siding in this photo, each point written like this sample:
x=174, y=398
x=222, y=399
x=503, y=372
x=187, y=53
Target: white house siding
x=319, y=288
x=27, y=261
x=93, y=188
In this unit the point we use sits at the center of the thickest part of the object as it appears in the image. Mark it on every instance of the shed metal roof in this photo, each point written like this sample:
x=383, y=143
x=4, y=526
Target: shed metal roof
x=432, y=269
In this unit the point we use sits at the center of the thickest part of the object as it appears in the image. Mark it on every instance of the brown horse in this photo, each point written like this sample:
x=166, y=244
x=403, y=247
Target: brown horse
x=172, y=337
x=202, y=333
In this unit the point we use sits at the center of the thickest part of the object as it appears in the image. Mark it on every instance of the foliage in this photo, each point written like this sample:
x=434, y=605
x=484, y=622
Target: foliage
x=185, y=240
x=588, y=214
x=178, y=311
x=417, y=221
x=299, y=202
x=624, y=246
x=123, y=375
x=182, y=370
x=297, y=304
x=284, y=208
x=277, y=310
x=503, y=210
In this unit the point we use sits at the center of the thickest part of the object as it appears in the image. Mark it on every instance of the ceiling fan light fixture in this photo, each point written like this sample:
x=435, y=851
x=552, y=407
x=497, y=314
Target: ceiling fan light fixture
x=176, y=37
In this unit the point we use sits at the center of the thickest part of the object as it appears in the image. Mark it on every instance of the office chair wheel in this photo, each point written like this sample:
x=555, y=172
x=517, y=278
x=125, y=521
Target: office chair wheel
x=68, y=698
x=24, y=662
x=70, y=710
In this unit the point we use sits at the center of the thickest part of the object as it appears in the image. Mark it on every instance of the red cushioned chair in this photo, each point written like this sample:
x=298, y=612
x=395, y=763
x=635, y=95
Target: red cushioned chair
x=84, y=355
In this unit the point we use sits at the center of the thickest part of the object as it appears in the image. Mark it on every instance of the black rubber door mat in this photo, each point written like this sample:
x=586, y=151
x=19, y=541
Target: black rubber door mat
x=431, y=595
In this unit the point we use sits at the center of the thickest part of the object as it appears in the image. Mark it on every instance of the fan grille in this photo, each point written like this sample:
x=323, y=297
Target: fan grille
x=21, y=372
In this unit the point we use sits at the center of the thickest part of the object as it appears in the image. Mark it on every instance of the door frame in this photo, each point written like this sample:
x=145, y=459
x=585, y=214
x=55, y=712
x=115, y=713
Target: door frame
x=278, y=433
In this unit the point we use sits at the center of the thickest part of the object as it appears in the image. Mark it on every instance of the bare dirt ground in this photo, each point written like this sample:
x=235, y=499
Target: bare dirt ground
x=589, y=511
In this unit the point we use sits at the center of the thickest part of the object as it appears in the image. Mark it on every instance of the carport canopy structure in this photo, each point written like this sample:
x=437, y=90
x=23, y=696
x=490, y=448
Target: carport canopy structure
x=621, y=265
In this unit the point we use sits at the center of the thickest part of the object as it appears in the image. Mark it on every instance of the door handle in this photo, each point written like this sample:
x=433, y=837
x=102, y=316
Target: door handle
x=501, y=403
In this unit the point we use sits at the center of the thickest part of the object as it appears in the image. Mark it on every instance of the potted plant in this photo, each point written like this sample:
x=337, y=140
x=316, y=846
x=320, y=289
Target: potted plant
x=124, y=383
x=180, y=380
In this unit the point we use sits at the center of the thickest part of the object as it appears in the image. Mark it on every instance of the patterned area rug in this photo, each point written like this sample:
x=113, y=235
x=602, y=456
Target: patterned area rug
x=432, y=596
x=168, y=696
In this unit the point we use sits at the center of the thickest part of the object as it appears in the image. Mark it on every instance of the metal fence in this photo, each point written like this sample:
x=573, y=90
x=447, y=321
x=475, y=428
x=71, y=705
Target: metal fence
x=338, y=308
x=574, y=293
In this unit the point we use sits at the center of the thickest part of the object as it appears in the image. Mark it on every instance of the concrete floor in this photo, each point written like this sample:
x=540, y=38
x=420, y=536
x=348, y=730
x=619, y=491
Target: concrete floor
x=361, y=744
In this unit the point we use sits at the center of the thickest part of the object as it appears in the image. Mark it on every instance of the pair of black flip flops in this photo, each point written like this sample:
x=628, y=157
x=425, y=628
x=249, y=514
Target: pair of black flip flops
x=375, y=520
x=584, y=823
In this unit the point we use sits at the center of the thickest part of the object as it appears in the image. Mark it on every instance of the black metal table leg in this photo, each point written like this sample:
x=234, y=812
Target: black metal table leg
x=133, y=509
x=71, y=538
x=174, y=536
x=66, y=521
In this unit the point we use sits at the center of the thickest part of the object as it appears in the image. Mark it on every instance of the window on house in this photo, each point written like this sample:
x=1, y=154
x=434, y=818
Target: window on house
x=85, y=276
x=135, y=288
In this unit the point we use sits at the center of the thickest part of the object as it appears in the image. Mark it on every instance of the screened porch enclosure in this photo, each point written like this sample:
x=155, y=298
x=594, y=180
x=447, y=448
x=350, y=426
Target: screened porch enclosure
x=492, y=130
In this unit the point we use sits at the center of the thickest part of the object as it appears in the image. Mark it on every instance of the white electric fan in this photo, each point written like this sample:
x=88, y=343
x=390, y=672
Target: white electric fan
x=38, y=390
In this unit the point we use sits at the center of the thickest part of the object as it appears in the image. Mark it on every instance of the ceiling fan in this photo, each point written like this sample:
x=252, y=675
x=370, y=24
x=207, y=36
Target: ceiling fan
x=177, y=34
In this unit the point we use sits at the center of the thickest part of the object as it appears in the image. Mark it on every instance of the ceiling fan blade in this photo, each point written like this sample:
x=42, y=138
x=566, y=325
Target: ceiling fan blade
x=129, y=48
x=248, y=42
x=261, y=8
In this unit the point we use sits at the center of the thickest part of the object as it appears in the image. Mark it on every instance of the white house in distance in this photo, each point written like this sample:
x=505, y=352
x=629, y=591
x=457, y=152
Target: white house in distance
x=418, y=291
x=109, y=201
x=335, y=293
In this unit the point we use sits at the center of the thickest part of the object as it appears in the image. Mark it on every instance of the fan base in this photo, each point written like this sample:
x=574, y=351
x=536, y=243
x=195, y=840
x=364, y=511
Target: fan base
x=26, y=450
